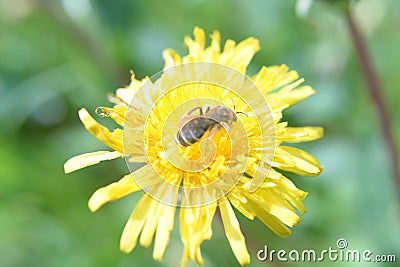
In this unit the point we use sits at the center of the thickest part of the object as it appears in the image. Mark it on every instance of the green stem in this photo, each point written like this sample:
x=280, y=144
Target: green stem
x=375, y=91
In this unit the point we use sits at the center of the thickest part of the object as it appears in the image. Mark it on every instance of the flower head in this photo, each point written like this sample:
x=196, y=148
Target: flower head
x=212, y=137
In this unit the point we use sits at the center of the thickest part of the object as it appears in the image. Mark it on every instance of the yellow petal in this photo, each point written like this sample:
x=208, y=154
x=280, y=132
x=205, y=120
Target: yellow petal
x=240, y=56
x=195, y=227
x=269, y=220
x=199, y=36
x=125, y=186
x=270, y=78
x=196, y=46
x=291, y=193
x=212, y=53
x=233, y=232
x=284, y=76
x=112, y=139
x=126, y=94
x=301, y=134
x=153, y=214
x=135, y=224
x=239, y=202
x=287, y=216
x=274, y=224
x=304, y=163
x=272, y=202
x=164, y=228
x=160, y=218
x=88, y=159
x=117, y=113
x=294, y=96
x=171, y=58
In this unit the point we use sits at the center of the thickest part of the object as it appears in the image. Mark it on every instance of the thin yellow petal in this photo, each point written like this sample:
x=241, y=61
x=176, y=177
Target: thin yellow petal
x=269, y=220
x=291, y=193
x=195, y=227
x=88, y=159
x=125, y=186
x=284, y=76
x=216, y=41
x=164, y=228
x=272, y=202
x=112, y=139
x=199, y=36
x=296, y=95
x=171, y=58
x=301, y=134
x=153, y=214
x=273, y=77
x=304, y=163
x=135, y=224
x=233, y=232
x=125, y=94
x=196, y=46
x=239, y=202
x=240, y=56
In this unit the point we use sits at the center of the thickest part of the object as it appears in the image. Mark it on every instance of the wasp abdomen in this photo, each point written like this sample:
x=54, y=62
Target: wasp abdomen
x=194, y=130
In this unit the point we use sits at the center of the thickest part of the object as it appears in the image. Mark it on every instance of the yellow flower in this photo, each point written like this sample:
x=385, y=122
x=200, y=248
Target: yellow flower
x=234, y=165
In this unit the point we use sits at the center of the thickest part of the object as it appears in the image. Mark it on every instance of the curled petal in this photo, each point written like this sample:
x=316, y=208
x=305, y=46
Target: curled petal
x=117, y=113
x=112, y=139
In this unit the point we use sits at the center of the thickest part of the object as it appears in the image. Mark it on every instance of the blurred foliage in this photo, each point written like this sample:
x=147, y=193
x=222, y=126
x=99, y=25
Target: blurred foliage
x=59, y=56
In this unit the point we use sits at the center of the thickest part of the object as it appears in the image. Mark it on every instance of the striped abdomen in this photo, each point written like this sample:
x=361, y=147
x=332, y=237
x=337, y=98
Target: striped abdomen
x=193, y=130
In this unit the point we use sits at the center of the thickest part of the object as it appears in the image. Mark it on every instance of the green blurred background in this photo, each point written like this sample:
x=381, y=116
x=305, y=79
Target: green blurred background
x=58, y=56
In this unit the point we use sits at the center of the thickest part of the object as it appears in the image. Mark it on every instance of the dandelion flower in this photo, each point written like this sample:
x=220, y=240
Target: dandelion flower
x=232, y=166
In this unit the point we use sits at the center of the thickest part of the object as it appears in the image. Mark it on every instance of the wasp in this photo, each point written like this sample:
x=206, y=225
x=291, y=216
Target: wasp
x=193, y=127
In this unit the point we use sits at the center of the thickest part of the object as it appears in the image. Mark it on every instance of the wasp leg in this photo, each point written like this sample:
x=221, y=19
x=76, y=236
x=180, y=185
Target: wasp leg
x=243, y=113
x=194, y=109
x=186, y=117
x=206, y=108
x=226, y=126
x=213, y=131
x=211, y=134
